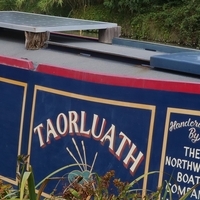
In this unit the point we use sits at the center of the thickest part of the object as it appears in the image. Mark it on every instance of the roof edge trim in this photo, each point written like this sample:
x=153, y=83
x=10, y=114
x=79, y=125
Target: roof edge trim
x=16, y=62
x=173, y=86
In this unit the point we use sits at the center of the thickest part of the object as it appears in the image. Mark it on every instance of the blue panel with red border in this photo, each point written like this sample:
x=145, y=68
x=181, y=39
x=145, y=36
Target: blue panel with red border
x=89, y=123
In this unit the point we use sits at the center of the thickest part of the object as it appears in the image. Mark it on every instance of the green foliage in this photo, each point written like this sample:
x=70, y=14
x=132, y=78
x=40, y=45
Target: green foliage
x=105, y=187
x=38, y=6
x=7, y=5
x=98, y=13
x=5, y=189
x=125, y=5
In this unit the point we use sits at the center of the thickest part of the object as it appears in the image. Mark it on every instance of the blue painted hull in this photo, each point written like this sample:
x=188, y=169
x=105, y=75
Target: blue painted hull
x=98, y=123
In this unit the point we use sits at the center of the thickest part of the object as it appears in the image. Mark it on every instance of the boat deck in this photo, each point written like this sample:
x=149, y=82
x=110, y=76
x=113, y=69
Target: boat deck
x=113, y=50
x=116, y=59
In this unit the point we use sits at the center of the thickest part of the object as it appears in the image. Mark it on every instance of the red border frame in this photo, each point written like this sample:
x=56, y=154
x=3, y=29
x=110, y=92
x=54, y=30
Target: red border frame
x=173, y=86
x=15, y=62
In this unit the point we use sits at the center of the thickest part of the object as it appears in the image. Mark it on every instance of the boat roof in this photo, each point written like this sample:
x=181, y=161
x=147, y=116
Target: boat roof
x=89, y=55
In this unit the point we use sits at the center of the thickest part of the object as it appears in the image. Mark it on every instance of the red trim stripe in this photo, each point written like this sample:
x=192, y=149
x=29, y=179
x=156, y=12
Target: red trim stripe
x=173, y=86
x=15, y=62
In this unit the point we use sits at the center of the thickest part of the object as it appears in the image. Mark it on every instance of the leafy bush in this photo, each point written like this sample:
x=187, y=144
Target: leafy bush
x=105, y=187
x=5, y=189
x=7, y=4
x=125, y=5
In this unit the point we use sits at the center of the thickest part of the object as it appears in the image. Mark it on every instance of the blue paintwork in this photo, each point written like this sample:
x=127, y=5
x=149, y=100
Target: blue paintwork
x=188, y=62
x=134, y=122
x=151, y=46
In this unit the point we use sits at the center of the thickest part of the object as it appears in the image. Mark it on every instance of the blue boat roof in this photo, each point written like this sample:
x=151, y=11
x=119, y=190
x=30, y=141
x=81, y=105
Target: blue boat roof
x=187, y=62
